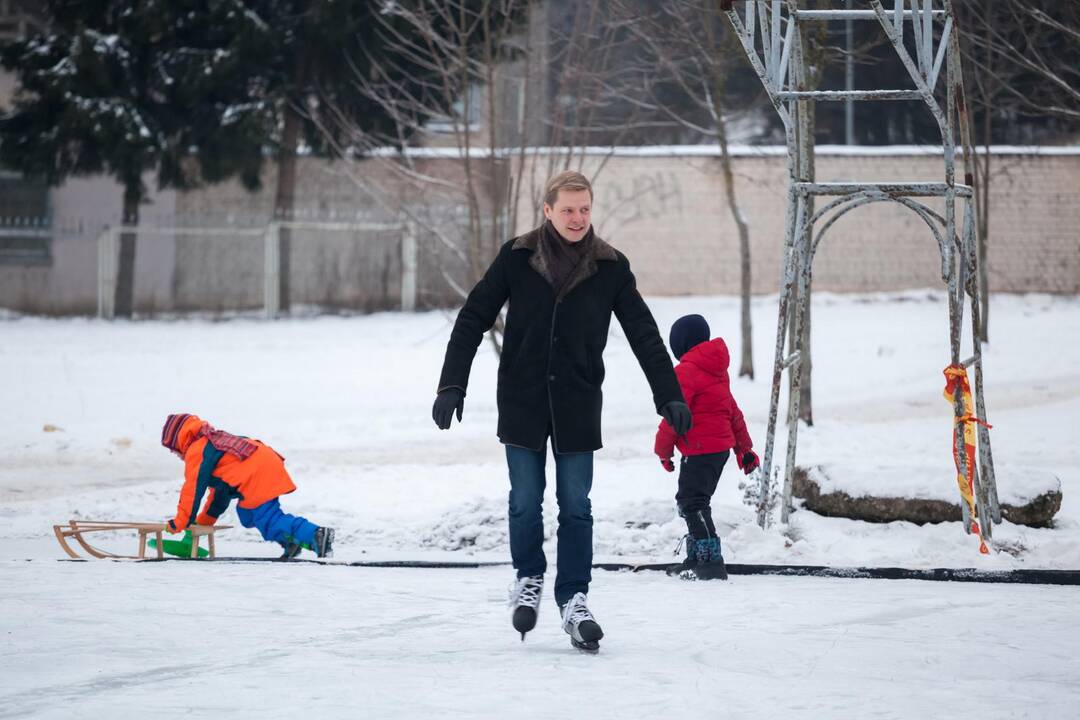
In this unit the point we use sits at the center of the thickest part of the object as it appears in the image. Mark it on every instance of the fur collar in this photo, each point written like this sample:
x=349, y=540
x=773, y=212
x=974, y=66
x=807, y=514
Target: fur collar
x=598, y=251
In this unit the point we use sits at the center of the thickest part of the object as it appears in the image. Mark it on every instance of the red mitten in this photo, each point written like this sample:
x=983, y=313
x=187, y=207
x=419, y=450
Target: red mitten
x=748, y=461
x=668, y=465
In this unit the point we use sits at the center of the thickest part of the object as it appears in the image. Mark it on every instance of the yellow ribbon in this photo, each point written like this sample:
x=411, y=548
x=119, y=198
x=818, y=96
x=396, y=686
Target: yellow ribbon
x=956, y=375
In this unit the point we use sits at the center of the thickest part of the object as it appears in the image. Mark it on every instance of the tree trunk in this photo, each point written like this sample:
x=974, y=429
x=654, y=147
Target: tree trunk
x=746, y=360
x=983, y=211
x=718, y=79
x=983, y=236
x=125, y=273
x=285, y=198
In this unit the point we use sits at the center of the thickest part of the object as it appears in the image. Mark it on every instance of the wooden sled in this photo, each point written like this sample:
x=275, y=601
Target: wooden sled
x=77, y=528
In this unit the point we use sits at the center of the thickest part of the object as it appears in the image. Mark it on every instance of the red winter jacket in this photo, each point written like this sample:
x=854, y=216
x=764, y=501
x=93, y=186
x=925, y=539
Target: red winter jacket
x=718, y=422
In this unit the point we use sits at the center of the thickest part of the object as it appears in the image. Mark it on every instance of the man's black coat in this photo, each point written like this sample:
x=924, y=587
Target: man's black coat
x=552, y=364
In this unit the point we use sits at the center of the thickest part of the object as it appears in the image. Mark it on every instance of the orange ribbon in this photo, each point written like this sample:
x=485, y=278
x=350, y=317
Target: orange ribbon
x=956, y=377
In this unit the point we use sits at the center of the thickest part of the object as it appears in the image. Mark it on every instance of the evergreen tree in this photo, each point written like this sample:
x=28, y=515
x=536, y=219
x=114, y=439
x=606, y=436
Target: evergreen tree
x=195, y=91
x=301, y=69
x=127, y=89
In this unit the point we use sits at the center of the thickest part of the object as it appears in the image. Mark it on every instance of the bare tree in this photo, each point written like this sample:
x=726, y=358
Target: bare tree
x=1034, y=38
x=1019, y=59
x=501, y=84
x=688, y=47
x=452, y=52
x=580, y=107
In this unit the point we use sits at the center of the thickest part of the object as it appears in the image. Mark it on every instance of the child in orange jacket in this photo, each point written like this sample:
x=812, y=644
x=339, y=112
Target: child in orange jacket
x=219, y=467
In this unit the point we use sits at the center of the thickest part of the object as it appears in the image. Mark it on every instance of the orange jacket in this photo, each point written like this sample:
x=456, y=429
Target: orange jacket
x=217, y=478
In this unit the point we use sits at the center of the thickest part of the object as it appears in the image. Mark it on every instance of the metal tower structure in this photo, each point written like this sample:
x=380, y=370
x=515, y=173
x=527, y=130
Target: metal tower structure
x=770, y=33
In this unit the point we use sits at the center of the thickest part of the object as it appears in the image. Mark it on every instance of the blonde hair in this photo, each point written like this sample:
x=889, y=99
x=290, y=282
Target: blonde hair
x=569, y=180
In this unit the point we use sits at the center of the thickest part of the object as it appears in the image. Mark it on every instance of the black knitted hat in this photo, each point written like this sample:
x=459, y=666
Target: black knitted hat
x=688, y=331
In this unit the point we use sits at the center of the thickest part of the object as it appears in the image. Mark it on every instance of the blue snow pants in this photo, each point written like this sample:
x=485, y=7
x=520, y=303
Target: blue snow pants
x=277, y=526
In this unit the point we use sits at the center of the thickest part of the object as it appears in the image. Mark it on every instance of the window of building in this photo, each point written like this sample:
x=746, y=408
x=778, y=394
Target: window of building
x=467, y=110
x=25, y=222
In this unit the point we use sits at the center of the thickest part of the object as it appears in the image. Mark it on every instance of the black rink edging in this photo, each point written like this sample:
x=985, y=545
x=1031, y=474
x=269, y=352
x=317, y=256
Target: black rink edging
x=969, y=575
x=1030, y=577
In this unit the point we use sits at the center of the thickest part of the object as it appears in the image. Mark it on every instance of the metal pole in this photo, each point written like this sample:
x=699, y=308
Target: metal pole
x=803, y=234
x=408, y=266
x=988, y=481
x=794, y=105
x=271, y=270
x=849, y=80
x=794, y=210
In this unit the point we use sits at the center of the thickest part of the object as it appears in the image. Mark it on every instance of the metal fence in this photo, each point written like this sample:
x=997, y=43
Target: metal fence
x=237, y=268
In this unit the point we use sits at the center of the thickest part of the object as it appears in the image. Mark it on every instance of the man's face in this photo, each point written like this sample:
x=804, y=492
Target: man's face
x=571, y=213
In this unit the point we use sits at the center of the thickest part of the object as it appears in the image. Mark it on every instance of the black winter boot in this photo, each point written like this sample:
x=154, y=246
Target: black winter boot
x=691, y=560
x=710, y=560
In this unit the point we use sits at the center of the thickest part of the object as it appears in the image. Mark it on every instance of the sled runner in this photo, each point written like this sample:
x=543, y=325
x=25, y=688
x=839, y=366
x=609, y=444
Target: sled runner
x=78, y=528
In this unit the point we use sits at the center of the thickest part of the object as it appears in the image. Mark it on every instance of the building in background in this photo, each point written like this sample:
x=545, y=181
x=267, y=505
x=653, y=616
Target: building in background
x=24, y=204
x=661, y=204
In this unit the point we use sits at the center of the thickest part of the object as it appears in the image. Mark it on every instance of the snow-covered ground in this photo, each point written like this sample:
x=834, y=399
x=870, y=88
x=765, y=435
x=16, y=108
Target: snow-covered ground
x=108, y=640
x=347, y=401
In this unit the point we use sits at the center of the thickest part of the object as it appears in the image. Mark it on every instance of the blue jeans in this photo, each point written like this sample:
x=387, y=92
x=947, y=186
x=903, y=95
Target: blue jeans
x=573, y=480
x=277, y=526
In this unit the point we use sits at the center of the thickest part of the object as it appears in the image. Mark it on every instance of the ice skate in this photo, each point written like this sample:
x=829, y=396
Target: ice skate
x=525, y=600
x=580, y=625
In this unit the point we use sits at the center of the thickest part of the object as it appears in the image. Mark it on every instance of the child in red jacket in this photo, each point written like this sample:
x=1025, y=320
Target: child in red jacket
x=718, y=429
x=219, y=467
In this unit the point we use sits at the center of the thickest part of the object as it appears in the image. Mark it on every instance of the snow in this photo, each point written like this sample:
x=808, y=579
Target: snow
x=924, y=482
x=735, y=150
x=108, y=45
x=256, y=20
x=234, y=113
x=125, y=640
x=347, y=401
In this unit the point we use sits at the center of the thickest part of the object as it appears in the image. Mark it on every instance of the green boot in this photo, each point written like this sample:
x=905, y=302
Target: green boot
x=179, y=548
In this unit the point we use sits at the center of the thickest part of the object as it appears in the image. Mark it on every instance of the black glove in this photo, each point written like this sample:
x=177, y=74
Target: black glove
x=446, y=402
x=677, y=413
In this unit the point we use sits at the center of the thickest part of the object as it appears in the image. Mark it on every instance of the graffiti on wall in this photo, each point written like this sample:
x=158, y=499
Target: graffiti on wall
x=629, y=198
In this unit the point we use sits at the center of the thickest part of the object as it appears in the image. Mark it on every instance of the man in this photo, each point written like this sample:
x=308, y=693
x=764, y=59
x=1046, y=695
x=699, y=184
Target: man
x=563, y=283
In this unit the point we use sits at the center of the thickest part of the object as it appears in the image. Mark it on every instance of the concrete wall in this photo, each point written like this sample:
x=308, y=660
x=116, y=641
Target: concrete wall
x=669, y=216
x=81, y=209
x=666, y=211
x=359, y=269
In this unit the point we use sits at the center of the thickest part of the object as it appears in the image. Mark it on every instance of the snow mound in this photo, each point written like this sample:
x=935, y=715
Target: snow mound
x=1016, y=486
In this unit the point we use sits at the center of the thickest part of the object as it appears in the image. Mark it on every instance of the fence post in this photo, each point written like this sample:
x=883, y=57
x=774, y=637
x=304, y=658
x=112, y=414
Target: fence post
x=106, y=284
x=271, y=270
x=408, y=265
